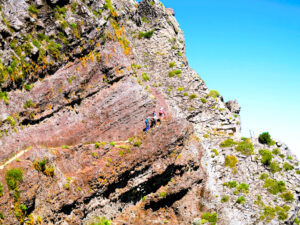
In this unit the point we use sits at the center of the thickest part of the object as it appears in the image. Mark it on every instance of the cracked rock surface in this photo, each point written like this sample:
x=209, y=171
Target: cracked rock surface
x=78, y=79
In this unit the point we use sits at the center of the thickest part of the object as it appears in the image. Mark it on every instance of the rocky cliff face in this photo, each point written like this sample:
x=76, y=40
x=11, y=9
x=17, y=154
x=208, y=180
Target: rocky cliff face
x=78, y=79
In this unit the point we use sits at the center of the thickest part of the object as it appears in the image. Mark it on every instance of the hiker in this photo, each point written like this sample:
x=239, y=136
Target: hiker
x=154, y=119
x=162, y=112
x=147, y=125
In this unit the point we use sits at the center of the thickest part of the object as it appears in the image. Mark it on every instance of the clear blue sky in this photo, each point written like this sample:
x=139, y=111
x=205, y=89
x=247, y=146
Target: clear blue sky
x=249, y=50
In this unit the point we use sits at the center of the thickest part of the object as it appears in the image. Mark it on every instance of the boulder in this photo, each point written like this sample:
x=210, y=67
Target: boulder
x=233, y=106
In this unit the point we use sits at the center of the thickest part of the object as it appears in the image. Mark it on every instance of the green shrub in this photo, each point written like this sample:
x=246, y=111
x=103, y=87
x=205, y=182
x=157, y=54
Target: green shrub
x=268, y=214
x=65, y=146
x=243, y=187
x=276, y=151
x=171, y=74
x=33, y=10
x=137, y=143
x=263, y=176
x=287, y=196
x=180, y=89
x=273, y=186
x=144, y=19
x=4, y=97
x=11, y=121
x=231, y=161
x=185, y=94
x=112, y=144
x=145, y=77
x=101, y=221
x=73, y=26
x=192, y=96
x=203, y=100
x=97, y=145
x=241, y=200
x=288, y=166
x=266, y=156
x=28, y=104
x=282, y=212
x=1, y=215
x=230, y=184
x=214, y=94
x=172, y=64
x=212, y=218
x=28, y=87
x=40, y=165
x=297, y=221
x=43, y=167
x=163, y=194
x=225, y=198
x=274, y=167
x=245, y=147
x=228, y=143
x=13, y=178
x=265, y=138
x=215, y=151
x=147, y=34
x=1, y=189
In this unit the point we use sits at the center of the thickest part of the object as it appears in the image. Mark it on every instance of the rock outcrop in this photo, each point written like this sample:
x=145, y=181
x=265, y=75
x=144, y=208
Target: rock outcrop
x=78, y=79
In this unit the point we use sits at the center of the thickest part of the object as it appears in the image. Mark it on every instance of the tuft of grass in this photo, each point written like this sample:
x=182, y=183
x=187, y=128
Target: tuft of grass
x=33, y=10
x=241, y=200
x=112, y=144
x=11, y=121
x=273, y=186
x=225, y=198
x=287, y=166
x=137, y=143
x=192, y=96
x=28, y=104
x=97, y=145
x=243, y=187
x=287, y=196
x=214, y=94
x=147, y=34
x=65, y=146
x=231, y=161
x=1, y=189
x=263, y=176
x=100, y=221
x=274, y=167
x=276, y=151
x=4, y=97
x=203, y=100
x=215, y=151
x=172, y=64
x=163, y=194
x=228, y=143
x=212, y=218
x=145, y=77
x=230, y=184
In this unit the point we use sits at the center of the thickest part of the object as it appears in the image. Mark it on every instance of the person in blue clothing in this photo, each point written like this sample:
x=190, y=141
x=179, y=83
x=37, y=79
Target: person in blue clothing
x=147, y=125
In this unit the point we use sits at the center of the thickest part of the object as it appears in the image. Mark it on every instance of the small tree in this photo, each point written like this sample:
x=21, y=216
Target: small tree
x=265, y=138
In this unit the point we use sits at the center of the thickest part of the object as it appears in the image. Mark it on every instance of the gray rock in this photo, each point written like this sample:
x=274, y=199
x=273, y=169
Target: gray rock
x=233, y=106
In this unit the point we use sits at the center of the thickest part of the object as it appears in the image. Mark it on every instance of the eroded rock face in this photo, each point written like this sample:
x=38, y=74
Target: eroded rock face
x=73, y=123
